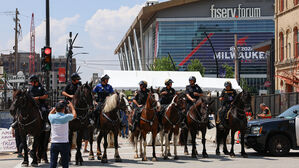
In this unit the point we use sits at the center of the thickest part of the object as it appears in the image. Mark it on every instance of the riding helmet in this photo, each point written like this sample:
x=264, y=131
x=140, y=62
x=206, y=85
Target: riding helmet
x=105, y=77
x=192, y=78
x=144, y=83
x=33, y=78
x=75, y=76
x=168, y=81
x=227, y=83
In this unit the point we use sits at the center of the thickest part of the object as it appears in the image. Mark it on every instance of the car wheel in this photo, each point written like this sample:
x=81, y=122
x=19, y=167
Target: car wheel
x=279, y=145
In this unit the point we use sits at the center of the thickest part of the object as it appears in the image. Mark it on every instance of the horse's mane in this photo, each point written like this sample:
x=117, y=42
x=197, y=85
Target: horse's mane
x=171, y=102
x=110, y=103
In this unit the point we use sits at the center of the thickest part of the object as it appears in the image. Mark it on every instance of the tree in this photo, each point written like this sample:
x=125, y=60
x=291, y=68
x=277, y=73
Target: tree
x=163, y=64
x=196, y=65
x=229, y=73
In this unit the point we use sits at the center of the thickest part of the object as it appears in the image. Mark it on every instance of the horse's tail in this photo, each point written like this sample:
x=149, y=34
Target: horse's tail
x=183, y=136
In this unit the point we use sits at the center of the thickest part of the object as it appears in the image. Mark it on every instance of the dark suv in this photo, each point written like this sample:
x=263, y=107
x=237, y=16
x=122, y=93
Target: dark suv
x=276, y=136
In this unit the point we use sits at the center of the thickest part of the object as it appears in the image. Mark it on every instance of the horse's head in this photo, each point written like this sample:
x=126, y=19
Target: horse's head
x=153, y=98
x=205, y=104
x=20, y=99
x=86, y=94
x=124, y=103
x=180, y=101
x=245, y=97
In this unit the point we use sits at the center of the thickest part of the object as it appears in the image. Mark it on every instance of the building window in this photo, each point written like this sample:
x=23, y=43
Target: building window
x=281, y=44
x=281, y=6
x=296, y=42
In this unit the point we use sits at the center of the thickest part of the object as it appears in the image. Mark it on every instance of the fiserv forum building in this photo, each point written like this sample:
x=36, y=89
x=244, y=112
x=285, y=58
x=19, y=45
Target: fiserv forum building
x=182, y=28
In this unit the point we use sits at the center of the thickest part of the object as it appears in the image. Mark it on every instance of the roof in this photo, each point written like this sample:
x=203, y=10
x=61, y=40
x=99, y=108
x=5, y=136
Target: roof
x=128, y=80
x=146, y=13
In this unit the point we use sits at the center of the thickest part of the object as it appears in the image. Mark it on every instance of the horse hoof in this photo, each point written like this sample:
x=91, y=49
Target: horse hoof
x=169, y=154
x=165, y=157
x=194, y=156
x=117, y=159
x=35, y=164
x=186, y=153
x=176, y=158
x=205, y=155
x=90, y=157
x=46, y=161
x=136, y=156
x=80, y=163
x=226, y=152
x=99, y=157
x=217, y=153
x=104, y=160
x=232, y=155
x=244, y=155
x=144, y=159
x=25, y=164
x=154, y=159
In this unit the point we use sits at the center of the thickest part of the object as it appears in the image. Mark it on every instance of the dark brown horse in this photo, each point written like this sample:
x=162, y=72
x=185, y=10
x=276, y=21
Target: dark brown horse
x=110, y=121
x=197, y=120
x=148, y=123
x=237, y=121
x=83, y=103
x=170, y=123
x=26, y=113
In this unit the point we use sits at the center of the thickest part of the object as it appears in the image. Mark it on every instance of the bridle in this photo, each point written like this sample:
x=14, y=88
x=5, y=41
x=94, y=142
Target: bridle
x=175, y=106
x=154, y=108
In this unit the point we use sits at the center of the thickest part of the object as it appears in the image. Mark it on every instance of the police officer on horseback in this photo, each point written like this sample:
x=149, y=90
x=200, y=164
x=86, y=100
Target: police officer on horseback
x=227, y=96
x=139, y=101
x=167, y=94
x=39, y=94
x=72, y=87
x=102, y=90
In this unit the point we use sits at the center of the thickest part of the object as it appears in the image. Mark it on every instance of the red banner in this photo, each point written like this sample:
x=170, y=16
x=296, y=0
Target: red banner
x=61, y=74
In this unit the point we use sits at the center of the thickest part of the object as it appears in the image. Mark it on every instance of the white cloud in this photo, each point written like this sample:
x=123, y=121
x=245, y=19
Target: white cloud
x=107, y=27
x=59, y=34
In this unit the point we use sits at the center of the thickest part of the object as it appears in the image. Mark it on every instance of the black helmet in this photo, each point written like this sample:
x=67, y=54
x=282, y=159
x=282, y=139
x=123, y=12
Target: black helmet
x=34, y=78
x=168, y=81
x=105, y=77
x=192, y=78
x=227, y=83
x=75, y=76
x=144, y=83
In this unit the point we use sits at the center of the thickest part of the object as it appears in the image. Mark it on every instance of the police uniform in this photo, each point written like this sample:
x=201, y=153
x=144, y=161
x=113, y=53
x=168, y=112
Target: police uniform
x=166, y=99
x=229, y=96
x=103, y=91
x=38, y=91
x=141, y=98
x=71, y=89
x=190, y=90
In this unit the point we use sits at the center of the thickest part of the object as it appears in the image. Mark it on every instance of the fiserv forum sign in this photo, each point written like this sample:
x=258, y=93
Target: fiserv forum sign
x=237, y=12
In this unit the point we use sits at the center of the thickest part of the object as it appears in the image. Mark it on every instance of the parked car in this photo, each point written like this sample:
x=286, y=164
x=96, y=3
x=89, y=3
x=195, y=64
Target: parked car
x=277, y=135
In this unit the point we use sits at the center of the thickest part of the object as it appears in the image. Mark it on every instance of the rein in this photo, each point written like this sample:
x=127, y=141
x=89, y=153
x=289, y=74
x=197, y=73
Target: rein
x=114, y=122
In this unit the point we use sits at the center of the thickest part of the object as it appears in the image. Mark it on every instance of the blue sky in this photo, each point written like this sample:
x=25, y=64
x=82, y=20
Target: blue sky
x=100, y=23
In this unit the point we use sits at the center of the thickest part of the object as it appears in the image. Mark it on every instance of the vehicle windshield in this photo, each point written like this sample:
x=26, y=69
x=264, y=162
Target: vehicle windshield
x=289, y=113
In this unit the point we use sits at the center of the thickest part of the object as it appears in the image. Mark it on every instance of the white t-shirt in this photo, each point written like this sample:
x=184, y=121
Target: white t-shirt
x=60, y=127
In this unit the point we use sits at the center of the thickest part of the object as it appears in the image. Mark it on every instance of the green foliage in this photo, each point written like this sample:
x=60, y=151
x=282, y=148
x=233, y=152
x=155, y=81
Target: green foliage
x=229, y=73
x=246, y=87
x=163, y=64
x=196, y=65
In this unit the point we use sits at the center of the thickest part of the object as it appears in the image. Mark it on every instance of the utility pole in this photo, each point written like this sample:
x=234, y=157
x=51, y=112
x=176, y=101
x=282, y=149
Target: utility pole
x=237, y=73
x=16, y=64
x=69, y=58
x=173, y=65
x=215, y=56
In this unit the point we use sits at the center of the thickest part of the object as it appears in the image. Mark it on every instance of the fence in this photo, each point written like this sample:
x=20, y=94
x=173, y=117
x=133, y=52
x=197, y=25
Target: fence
x=277, y=103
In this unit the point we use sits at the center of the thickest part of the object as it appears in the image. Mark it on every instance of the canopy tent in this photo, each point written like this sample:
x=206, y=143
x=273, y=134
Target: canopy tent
x=128, y=80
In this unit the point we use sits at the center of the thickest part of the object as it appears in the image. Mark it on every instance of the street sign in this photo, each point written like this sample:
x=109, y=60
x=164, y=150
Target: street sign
x=16, y=79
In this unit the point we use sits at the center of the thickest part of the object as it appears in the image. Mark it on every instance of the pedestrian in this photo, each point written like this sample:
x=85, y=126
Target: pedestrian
x=266, y=113
x=124, y=131
x=16, y=134
x=60, y=133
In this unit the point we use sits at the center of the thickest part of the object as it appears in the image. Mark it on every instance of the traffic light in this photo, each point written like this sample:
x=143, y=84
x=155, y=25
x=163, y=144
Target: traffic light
x=46, y=59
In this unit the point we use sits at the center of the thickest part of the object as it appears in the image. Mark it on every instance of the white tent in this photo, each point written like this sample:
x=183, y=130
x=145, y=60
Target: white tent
x=128, y=80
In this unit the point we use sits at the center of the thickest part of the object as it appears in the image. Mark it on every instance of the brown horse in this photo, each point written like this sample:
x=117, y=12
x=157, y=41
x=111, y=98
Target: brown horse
x=197, y=120
x=170, y=123
x=110, y=121
x=237, y=121
x=148, y=123
x=83, y=103
x=26, y=112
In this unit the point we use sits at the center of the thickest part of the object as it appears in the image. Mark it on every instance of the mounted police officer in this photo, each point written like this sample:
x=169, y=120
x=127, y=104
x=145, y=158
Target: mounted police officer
x=72, y=87
x=39, y=94
x=167, y=94
x=193, y=93
x=227, y=96
x=102, y=90
x=139, y=102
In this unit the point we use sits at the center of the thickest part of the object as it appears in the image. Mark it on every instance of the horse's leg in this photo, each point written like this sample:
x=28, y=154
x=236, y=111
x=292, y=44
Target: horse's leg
x=224, y=137
x=175, y=138
x=35, y=145
x=166, y=145
x=79, y=158
x=141, y=145
x=104, y=158
x=99, y=151
x=91, y=155
x=243, y=153
x=232, y=153
x=194, y=152
x=204, y=151
x=116, y=155
x=162, y=139
x=135, y=145
x=144, y=146
x=218, y=140
x=169, y=139
x=186, y=132
x=45, y=145
x=154, y=135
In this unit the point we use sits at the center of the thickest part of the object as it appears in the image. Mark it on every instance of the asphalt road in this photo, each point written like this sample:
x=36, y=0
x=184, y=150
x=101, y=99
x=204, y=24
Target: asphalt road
x=126, y=152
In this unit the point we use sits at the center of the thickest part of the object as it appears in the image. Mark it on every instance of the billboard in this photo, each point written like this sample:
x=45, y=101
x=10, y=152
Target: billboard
x=61, y=74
